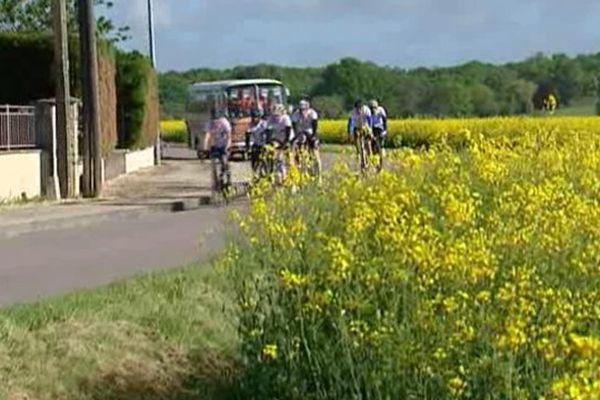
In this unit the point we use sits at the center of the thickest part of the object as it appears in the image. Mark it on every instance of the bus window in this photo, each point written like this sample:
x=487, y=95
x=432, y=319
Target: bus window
x=201, y=102
x=270, y=96
x=241, y=101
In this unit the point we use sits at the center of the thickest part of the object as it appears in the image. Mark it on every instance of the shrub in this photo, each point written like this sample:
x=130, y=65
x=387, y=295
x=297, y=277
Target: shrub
x=470, y=274
x=27, y=74
x=134, y=81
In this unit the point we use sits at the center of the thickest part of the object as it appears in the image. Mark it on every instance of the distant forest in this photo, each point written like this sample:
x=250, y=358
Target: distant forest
x=471, y=89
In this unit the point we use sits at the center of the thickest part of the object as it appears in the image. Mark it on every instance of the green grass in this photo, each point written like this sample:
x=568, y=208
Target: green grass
x=19, y=201
x=582, y=107
x=337, y=148
x=169, y=335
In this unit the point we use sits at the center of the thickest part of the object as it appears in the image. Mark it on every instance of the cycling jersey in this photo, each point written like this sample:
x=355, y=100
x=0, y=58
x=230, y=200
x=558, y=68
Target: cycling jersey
x=379, y=119
x=359, y=119
x=220, y=132
x=279, y=125
x=305, y=121
x=258, y=133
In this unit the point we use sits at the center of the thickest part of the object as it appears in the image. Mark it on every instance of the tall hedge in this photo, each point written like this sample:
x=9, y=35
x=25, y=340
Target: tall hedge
x=27, y=67
x=128, y=98
x=135, y=81
x=27, y=74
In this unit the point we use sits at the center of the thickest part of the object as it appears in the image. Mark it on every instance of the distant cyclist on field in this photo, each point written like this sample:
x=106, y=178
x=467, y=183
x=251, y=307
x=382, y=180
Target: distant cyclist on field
x=256, y=137
x=218, y=140
x=306, y=124
x=359, y=124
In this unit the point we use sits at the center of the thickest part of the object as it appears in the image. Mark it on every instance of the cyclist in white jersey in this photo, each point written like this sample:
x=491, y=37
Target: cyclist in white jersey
x=306, y=124
x=280, y=133
x=379, y=121
x=218, y=140
x=359, y=122
x=256, y=136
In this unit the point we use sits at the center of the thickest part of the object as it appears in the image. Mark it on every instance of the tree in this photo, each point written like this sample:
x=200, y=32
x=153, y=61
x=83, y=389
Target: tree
x=353, y=79
x=172, y=89
x=474, y=88
x=520, y=97
x=329, y=106
x=568, y=78
x=36, y=16
x=483, y=100
x=407, y=97
x=448, y=98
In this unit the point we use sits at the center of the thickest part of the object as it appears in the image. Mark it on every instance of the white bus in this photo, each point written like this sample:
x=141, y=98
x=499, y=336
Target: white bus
x=234, y=97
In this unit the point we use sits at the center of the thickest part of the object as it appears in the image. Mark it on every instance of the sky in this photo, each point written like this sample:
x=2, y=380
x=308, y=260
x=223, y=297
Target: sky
x=401, y=33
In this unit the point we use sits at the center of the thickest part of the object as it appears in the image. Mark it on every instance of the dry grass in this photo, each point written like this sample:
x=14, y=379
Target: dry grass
x=166, y=336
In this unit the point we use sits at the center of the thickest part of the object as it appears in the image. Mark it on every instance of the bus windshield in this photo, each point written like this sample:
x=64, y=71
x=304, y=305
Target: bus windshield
x=242, y=99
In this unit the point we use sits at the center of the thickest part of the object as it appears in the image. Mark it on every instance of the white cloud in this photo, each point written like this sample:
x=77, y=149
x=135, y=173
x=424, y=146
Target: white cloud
x=193, y=33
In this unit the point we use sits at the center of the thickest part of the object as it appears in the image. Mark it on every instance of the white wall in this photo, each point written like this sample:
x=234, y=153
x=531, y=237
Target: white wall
x=20, y=172
x=137, y=160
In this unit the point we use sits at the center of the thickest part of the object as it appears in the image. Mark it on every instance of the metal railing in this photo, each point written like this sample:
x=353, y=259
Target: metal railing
x=17, y=127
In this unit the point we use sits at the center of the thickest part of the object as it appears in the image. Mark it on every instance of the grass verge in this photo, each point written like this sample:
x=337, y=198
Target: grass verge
x=167, y=335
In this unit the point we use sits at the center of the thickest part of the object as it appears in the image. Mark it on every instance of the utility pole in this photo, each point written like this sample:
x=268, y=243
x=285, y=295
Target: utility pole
x=152, y=45
x=66, y=151
x=92, y=167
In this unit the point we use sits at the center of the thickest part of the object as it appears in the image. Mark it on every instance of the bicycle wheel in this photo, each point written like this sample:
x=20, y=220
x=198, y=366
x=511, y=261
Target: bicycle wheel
x=315, y=164
x=377, y=151
x=302, y=158
x=363, y=155
x=216, y=182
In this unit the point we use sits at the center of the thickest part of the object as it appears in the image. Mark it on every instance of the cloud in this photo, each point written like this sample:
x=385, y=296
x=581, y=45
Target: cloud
x=192, y=33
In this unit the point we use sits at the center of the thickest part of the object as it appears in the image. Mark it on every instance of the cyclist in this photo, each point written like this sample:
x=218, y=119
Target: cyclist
x=279, y=135
x=218, y=140
x=256, y=137
x=306, y=123
x=379, y=126
x=359, y=123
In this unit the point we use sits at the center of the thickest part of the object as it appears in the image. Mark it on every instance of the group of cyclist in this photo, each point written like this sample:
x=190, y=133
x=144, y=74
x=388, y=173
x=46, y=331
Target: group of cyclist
x=295, y=131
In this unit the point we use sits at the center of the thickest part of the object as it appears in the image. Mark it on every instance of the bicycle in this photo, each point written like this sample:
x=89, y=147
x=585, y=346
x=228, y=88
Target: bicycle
x=363, y=146
x=377, y=146
x=369, y=145
x=221, y=176
x=261, y=161
x=307, y=159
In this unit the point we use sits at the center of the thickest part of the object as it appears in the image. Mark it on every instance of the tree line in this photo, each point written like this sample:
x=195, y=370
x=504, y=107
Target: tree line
x=472, y=89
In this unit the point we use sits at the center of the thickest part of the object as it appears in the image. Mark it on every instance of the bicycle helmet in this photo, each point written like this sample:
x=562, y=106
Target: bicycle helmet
x=373, y=103
x=304, y=105
x=358, y=104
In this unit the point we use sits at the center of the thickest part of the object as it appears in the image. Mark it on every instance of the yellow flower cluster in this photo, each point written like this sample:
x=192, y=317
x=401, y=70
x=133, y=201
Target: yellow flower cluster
x=173, y=130
x=457, y=132
x=468, y=271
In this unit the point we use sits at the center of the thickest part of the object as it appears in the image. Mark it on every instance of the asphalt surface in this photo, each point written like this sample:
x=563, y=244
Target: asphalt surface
x=52, y=262
x=52, y=250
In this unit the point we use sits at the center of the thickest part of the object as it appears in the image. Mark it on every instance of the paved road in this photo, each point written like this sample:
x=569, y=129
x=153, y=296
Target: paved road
x=56, y=249
x=51, y=262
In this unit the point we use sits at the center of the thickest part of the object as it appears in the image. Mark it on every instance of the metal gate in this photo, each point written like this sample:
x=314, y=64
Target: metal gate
x=17, y=127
